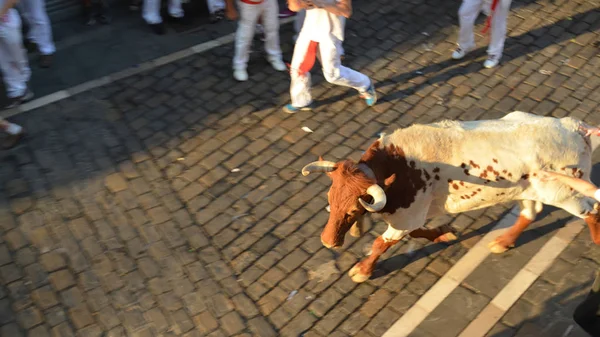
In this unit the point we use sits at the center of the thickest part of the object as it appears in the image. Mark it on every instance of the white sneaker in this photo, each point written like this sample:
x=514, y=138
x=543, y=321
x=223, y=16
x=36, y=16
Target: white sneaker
x=491, y=62
x=240, y=75
x=278, y=65
x=460, y=53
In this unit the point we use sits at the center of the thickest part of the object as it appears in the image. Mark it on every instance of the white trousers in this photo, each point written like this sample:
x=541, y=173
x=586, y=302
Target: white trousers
x=215, y=5
x=249, y=14
x=40, y=30
x=468, y=13
x=328, y=53
x=299, y=22
x=151, y=11
x=13, y=57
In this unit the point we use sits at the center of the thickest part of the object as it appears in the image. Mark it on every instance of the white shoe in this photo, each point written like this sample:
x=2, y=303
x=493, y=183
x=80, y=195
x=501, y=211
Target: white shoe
x=460, y=53
x=240, y=75
x=278, y=65
x=491, y=62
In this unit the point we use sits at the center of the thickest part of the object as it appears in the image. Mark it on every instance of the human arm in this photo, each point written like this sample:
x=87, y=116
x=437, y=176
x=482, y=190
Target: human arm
x=337, y=7
x=7, y=5
x=298, y=5
x=584, y=187
x=230, y=10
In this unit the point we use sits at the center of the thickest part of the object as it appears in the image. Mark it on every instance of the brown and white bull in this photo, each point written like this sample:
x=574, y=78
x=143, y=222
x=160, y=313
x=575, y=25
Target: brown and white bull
x=450, y=167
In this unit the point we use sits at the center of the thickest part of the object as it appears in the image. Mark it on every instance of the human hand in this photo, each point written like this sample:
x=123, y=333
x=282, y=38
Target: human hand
x=308, y=4
x=323, y=3
x=589, y=130
x=231, y=14
x=544, y=176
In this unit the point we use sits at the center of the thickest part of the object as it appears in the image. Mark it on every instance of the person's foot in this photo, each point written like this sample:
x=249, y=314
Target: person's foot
x=11, y=140
x=286, y=13
x=16, y=101
x=370, y=96
x=46, y=60
x=30, y=46
x=491, y=61
x=180, y=20
x=240, y=75
x=278, y=64
x=104, y=19
x=460, y=52
x=292, y=109
x=134, y=5
x=217, y=16
x=157, y=28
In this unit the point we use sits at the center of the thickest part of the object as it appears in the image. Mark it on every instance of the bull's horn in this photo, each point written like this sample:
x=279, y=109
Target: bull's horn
x=318, y=166
x=379, y=199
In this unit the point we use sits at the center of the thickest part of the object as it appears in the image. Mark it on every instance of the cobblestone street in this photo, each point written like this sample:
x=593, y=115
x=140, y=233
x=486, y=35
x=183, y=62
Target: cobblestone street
x=171, y=203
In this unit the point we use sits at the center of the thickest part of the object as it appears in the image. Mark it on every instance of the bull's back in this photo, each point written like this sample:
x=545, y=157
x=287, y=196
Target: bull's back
x=482, y=163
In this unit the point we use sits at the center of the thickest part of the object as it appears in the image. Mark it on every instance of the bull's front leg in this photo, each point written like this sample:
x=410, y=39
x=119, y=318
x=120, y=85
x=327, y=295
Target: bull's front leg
x=358, y=228
x=363, y=270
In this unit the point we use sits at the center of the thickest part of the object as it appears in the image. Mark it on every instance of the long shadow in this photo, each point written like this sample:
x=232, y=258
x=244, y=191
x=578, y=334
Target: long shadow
x=555, y=317
x=515, y=47
x=402, y=260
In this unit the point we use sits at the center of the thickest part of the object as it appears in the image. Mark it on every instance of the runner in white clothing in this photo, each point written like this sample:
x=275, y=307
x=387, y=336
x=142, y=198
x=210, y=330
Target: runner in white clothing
x=322, y=35
x=13, y=57
x=14, y=133
x=250, y=12
x=299, y=21
x=497, y=11
x=40, y=30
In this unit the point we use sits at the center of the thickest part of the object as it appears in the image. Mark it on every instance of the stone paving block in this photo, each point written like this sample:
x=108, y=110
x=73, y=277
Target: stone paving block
x=205, y=322
x=61, y=279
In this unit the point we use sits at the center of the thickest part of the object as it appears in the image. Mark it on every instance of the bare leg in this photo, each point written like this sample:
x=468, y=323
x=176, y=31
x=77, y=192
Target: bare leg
x=362, y=270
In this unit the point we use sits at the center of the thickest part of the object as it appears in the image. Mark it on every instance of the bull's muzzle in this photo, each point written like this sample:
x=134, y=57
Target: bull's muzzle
x=331, y=245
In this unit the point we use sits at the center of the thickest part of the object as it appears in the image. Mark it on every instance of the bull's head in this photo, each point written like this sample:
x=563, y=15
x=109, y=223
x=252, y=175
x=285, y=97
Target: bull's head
x=352, y=184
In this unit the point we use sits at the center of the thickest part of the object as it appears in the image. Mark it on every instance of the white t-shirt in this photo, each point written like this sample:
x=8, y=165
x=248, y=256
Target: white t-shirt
x=597, y=195
x=13, y=21
x=320, y=24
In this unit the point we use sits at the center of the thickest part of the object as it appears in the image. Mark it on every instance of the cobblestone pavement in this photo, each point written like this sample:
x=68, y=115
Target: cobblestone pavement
x=171, y=203
x=86, y=53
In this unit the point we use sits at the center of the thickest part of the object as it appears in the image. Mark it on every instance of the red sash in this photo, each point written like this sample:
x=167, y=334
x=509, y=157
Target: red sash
x=309, y=58
x=488, y=22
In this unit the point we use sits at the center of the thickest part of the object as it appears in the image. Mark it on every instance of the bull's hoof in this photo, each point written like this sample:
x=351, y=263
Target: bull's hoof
x=356, y=275
x=355, y=232
x=448, y=237
x=497, y=247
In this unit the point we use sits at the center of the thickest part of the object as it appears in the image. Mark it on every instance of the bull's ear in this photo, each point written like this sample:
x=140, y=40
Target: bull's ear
x=389, y=181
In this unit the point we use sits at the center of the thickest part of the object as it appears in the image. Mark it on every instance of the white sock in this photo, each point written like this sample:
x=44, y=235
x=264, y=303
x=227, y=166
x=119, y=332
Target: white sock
x=13, y=129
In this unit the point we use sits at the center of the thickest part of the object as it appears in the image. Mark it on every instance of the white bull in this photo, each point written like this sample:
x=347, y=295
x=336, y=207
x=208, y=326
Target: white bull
x=450, y=167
